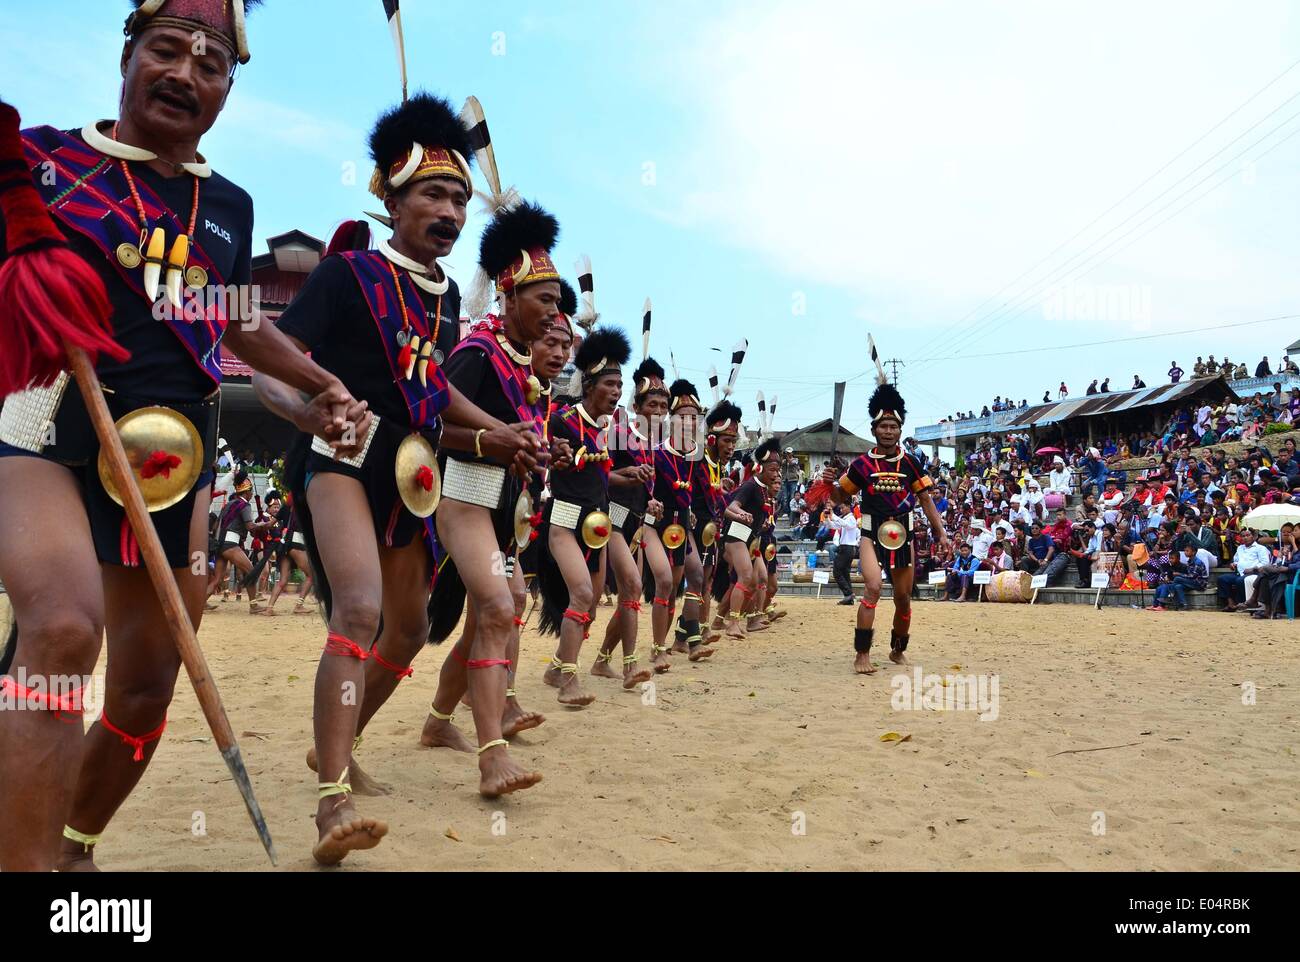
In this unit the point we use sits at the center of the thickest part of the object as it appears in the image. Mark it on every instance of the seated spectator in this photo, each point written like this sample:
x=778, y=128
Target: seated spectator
x=998, y=560
x=1271, y=586
x=1061, y=479
x=1157, y=569
x=1249, y=558
x=960, y=573
x=1082, y=550
x=1188, y=572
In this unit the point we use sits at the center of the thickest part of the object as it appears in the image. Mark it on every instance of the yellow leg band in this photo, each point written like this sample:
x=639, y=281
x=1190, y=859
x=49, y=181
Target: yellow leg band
x=493, y=744
x=86, y=841
x=341, y=787
x=440, y=716
x=511, y=693
x=569, y=668
x=631, y=659
x=604, y=655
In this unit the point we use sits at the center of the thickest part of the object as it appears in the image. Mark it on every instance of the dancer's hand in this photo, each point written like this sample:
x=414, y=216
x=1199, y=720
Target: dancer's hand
x=945, y=544
x=829, y=475
x=728, y=485
x=654, y=509
x=645, y=473
x=338, y=417
x=506, y=442
x=561, y=454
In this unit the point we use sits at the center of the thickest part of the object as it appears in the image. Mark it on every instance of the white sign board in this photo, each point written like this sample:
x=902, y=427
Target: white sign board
x=938, y=577
x=982, y=577
x=1040, y=581
x=1100, y=579
x=822, y=577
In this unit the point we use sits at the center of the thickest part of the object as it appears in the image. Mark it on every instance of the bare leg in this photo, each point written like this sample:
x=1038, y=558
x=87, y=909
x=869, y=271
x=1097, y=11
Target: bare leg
x=516, y=718
x=350, y=554
x=661, y=612
x=582, y=591
x=902, y=581
x=467, y=533
x=58, y=603
x=142, y=667
x=871, y=578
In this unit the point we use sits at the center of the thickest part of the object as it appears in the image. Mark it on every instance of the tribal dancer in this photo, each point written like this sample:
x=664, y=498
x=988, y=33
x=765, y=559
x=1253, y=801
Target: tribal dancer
x=631, y=485
x=293, y=556
x=481, y=498
x=130, y=199
x=384, y=321
x=709, y=495
x=891, y=483
x=572, y=574
x=674, y=472
x=745, y=517
x=644, y=428
x=238, y=521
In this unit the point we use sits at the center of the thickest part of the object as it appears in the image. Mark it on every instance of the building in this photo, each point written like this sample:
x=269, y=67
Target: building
x=812, y=445
x=1096, y=416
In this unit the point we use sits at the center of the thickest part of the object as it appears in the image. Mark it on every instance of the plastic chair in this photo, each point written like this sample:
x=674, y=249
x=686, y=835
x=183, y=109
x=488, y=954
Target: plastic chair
x=1291, y=590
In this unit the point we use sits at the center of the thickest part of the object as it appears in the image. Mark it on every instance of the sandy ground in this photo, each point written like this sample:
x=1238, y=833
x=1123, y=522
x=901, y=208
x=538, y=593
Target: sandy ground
x=775, y=734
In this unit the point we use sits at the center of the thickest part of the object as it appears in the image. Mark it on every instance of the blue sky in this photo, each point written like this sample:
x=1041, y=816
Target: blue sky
x=802, y=173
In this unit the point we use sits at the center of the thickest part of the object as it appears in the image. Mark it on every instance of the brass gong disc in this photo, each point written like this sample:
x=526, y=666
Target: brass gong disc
x=414, y=453
x=709, y=535
x=149, y=431
x=596, y=529
x=770, y=553
x=523, y=520
x=674, y=536
x=892, y=535
x=637, y=537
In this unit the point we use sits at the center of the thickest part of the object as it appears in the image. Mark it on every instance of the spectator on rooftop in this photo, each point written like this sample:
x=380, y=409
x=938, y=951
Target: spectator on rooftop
x=1138, y=383
x=1105, y=387
x=1175, y=372
x=1262, y=369
x=1092, y=388
x=1063, y=391
x=1198, y=369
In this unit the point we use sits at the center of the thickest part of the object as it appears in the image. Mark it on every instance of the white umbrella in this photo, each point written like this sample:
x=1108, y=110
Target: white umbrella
x=1271, y=517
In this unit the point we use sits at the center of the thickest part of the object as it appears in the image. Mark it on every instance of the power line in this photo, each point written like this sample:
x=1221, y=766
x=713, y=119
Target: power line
x=937, y=338
x=1030, y=298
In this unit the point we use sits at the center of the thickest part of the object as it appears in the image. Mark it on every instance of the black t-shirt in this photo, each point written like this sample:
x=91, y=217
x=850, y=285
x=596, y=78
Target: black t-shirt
x=588, y=485
x=160, y=367
x=751, y=498
x=470, y=371
x=331, y=317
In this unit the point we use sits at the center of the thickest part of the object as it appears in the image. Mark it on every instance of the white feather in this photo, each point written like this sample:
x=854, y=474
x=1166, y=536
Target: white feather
x=713, y=385
x=645, y=337
x=673, y=361
x=587, y=316
x=482, y=292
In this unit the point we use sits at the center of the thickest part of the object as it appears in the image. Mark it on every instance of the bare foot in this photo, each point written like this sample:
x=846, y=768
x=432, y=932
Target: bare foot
x=634, y=675
x=572, y=693
x=777, y=614
x=700, y=652
x=756, y=624
x=552, y=676
x=441, y=733
x=343, y=830
x=499, y=775
x=862, y=664
x=515, y=719
x=603, y=669
x=660, y=662
x=362, y=784
x=679, y=648
x=898, y=658
x=735, y=632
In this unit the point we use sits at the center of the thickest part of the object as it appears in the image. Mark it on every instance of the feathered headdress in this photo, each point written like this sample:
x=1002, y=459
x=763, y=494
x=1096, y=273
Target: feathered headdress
x=724, y=418
x=648, y=377
x=769, y=449
x=885, y=401
x=515, y=251
x=681, y=393
x=418, y=139
x=222, y=20
x=602, y=350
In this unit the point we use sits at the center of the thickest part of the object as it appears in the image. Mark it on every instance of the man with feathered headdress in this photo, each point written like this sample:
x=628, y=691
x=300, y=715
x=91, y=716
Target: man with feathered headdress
x=385, y=321
x=891, y=483
x=119, y=239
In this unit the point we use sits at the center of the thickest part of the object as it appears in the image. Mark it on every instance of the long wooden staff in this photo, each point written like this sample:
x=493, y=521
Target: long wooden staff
x=169, y=594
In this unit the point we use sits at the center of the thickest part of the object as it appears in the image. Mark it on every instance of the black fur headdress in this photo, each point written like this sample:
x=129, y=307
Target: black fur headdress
x=765, y=450
x=682, y=392
x=602, y=350
x=649, y=376
x=724, y=412
x=429, y=122
x=526, y=228
x=886, y=402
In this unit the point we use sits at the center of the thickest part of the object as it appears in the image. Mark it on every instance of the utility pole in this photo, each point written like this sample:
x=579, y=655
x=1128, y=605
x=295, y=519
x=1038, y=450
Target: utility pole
x=893, y=363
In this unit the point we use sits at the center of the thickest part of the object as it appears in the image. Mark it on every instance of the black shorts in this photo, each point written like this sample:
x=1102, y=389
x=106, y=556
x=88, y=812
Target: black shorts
x=676, y=556
x=590, y=555
x=708, y=555
x=395, y=526
x=77, y=448
x=631, y=524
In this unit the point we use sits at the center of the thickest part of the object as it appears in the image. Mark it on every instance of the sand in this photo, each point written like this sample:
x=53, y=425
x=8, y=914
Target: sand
x=776, y=734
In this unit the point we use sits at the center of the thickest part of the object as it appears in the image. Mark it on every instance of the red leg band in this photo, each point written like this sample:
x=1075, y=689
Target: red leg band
x=336, y=644
x=131, y=741
x=630, y=605
x=487, y=662
x=905, y=615
x=870, y=606
x=69, y=703
x=664, y=603
x=397, y=670
x=519, y=622
x=581, y=617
